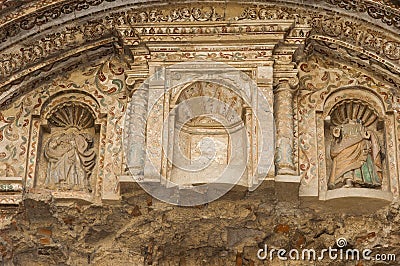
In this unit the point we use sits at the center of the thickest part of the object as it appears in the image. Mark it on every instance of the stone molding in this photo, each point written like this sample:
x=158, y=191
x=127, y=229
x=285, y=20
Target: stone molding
x=11, y=190
x=366, y=41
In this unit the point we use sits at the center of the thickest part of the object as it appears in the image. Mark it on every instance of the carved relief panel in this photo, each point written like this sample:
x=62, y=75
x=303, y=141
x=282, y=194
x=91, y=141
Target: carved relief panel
x=65, y=140
x=209, y=137
x=69, y=149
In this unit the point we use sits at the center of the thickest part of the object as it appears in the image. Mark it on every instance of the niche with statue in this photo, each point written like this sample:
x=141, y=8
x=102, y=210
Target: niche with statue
x=69, y=149
x=355, y=146
x=66, y=149
x=355, y=150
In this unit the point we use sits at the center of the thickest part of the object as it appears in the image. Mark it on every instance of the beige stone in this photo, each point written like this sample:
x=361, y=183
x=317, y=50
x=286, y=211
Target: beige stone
x=193, y=133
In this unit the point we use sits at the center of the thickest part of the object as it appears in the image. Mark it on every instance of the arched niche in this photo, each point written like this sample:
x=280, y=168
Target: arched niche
x=66, y=148
x=206, y=136
x=210, y=135
x=355, y=151
x=178, y=100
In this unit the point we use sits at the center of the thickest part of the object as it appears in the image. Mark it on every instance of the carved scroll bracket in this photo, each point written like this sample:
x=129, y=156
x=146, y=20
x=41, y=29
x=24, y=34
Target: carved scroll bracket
x=139, y=68
x=134, y=80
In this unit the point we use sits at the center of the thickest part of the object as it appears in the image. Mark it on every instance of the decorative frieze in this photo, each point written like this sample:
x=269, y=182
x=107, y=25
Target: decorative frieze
x=159, y=23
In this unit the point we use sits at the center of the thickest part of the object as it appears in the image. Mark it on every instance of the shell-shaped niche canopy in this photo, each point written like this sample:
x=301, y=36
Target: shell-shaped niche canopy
x=348, y=110
x=72, y=114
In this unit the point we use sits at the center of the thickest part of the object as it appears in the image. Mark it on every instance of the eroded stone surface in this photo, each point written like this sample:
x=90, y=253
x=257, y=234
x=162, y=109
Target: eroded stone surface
x=144, y=231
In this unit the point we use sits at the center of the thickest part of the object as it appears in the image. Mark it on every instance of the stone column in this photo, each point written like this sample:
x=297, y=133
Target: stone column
x=136, y=116
x=266, y=134
x=283, y=114
x=135, y=131
x=168, y=141
x=248, y=117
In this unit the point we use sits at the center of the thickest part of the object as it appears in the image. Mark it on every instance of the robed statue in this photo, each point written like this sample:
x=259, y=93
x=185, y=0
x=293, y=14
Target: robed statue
x=356, y=156
x=71, y=158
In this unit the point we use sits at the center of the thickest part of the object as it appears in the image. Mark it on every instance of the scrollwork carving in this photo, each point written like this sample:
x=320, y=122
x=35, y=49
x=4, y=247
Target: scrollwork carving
x=33, y=52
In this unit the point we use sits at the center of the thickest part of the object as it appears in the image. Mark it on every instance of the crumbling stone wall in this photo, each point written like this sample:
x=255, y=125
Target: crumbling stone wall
x=144, y=231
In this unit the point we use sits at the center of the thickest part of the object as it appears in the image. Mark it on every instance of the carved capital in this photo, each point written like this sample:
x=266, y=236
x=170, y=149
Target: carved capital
x=133, y=84
x=135, y=77
x=294, y=83
x=286, y=84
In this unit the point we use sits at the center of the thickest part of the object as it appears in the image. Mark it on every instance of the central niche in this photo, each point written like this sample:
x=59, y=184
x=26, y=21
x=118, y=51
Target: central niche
x=209, y=139
x=355, y=144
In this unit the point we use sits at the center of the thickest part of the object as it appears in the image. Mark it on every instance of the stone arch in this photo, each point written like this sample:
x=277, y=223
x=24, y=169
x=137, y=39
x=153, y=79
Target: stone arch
x=244, y=93
x=218, y=92
x=29, y=48
x=362, y=93
x=65, y=96
x=214, y=117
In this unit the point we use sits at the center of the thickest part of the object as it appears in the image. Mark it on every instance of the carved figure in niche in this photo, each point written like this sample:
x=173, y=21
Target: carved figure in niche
x=70, y=150
x=71, y=159
x=355, y=149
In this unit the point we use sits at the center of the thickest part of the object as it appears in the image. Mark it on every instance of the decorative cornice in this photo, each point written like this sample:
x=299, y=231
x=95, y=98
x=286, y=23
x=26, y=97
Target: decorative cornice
x=273, y=30
x=25, y=15
x=395, y=68
x=156, y=21
x=52, y=45
x=42, y=75
x=386, y=14
x=356, y=59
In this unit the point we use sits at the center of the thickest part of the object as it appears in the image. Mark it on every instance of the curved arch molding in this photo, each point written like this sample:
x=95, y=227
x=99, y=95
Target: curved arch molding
x=36, y=36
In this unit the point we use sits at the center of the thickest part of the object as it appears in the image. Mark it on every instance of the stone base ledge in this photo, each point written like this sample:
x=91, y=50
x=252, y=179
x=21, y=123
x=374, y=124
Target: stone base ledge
x=38, y=194
x=357, y=193
x=11, y=190
x=349, y=200
x=10, y=199
x=288, y=178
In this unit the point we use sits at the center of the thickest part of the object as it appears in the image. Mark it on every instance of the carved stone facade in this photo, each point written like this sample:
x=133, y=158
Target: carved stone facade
x=299, y=99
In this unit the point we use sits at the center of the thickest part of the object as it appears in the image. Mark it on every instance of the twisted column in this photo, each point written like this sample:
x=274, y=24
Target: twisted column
x=283, y=114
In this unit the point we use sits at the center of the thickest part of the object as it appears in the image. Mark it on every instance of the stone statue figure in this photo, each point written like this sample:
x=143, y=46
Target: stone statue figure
x=71, y=158
x=356, y=156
